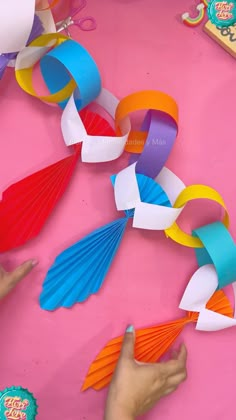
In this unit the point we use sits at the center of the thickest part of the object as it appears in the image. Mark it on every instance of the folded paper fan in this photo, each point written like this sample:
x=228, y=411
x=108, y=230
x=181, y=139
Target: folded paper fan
x=27, y=204
x=151, y=343
x=95, y=124
x=80, y=270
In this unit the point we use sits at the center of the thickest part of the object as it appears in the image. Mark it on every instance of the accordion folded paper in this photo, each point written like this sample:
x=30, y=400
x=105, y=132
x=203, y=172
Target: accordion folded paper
x=26, y=205
x=80, y=270
x=208, y=308
x=151, y=343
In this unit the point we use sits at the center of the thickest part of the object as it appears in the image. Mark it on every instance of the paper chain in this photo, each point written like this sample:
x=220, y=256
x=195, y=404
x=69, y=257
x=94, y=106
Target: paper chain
x=149, y=193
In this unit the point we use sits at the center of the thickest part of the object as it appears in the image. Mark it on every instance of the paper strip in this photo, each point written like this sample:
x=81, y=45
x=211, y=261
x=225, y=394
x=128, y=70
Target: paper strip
x=94, y=148
x=171, y=184
x=150, y=100
x=194, y=192
x=59, y=65
x=8, y=59
x=126, y=189
x=216, y=238
x=147, y=216
x=162, y=132
x=29, y=56
x=47, y=20
x=209, y=277
x=198, y=292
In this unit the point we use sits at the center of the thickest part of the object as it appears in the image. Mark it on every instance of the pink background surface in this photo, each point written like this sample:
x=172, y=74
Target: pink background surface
x=138, y=45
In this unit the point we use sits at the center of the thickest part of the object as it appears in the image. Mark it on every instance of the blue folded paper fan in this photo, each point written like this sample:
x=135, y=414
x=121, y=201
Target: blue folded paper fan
x=80, y=270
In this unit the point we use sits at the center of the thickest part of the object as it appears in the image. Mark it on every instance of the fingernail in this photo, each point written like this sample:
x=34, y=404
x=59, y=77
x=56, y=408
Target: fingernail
x=130, y=329
x=34, y=262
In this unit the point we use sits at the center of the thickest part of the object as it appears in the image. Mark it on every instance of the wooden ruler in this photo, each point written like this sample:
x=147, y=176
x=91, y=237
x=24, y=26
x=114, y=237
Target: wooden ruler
x=226, y=37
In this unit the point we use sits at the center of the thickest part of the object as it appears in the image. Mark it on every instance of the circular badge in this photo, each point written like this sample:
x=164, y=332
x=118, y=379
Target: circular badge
x=222, y=13
x=17, y=403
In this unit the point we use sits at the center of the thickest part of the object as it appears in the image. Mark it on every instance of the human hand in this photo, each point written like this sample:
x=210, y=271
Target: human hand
x=137, y=387
x=9, y=280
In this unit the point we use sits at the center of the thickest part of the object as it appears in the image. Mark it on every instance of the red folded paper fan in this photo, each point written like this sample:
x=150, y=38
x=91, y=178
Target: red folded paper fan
x=151, y=343
x=26, y=205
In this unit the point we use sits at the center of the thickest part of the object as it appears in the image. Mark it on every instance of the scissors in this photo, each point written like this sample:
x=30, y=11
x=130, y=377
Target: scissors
x=87, y=23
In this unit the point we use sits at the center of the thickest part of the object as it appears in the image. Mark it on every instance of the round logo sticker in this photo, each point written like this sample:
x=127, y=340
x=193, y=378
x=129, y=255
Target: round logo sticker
x=17, y=403
x=222, y=13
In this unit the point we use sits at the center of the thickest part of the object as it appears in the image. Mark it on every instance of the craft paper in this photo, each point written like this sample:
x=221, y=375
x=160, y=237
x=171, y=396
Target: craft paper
x=225, y=262
x=57, y=68
x=36, y=31
x=48, y=24
x=146, y=215
x=170, y=183
x=80, y=270
x=94, y=148
x=199, y=290
x=151, y=343
x=26, y=205
x=194, y=192
x=162, y=132
x=126, y=189
x=29, y=56
x=149, y=100
x=209, y=277
x=47, y=20
x=59, y=65
x=15, y=27
x=202, y=286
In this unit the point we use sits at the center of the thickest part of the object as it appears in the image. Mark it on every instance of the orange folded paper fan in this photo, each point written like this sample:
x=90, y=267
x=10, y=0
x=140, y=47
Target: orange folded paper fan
x=151, y=343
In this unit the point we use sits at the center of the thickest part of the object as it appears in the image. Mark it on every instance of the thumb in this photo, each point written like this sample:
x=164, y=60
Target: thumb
x=127, y=351
x=20, y=272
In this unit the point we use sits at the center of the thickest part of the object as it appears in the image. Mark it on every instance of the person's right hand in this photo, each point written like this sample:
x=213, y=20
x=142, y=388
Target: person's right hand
x=137, y=387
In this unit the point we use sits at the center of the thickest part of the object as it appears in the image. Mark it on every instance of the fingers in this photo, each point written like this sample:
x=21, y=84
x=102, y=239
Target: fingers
x=177, y=364
x=169, y=391
x=174, y=381
x=20, y=272
x=127, y=351
x=182, y=355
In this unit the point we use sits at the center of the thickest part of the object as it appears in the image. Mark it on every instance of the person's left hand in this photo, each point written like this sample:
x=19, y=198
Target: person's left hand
x=9, y=280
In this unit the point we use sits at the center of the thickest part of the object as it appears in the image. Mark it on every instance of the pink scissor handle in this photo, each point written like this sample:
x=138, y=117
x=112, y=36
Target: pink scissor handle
x=74, y=10
x=87, y=23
